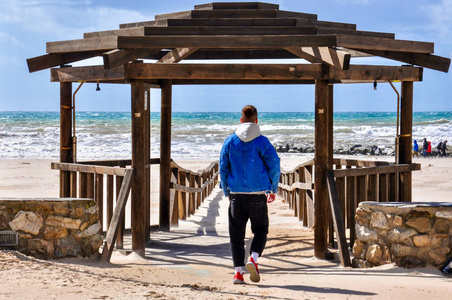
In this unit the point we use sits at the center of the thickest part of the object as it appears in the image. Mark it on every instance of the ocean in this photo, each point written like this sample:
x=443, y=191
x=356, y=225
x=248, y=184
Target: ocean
x=107, y=135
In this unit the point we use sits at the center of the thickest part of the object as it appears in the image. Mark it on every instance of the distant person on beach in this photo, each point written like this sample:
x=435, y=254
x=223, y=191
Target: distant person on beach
x=429, y=149
x=415, y=149
x=438, y=149
x=249, y=170
x=424, y=147
x=444, y=148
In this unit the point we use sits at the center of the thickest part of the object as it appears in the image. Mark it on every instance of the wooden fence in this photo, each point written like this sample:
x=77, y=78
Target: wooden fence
x=109, y=184
x=355, y=181
x=189, y=189
x=296, y=187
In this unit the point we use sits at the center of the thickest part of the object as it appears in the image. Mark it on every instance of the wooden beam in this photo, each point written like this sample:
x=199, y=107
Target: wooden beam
x=236, y=5
x=376, y=170
x=430, y=61
x=321, y=165
x=91, y=73
x=336, y=58
x=136, y=31
x=118, y=57
x=57, y=59
x=177, y=55
x=232, y=22
x=94, y=44
x=378, y=73
x=139, y=161
x=223, y=13
x=229, y=30
x=374, y=43
x=165, y=155
x=333, y=30
x=219, y=41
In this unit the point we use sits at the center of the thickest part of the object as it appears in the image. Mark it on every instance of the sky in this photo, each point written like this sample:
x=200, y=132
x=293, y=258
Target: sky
x=26, y=26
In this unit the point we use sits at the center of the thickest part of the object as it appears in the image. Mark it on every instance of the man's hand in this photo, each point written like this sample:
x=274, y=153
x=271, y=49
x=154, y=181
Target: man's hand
x=271, y=198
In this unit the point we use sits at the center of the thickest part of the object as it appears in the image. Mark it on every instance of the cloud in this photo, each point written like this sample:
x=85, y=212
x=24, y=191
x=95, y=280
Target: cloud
x=64, y=19
x=441, y=17
x=7, y=38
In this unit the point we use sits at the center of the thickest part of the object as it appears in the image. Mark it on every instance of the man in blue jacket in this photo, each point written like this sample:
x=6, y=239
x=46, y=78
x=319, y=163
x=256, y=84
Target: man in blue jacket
x=249, y=170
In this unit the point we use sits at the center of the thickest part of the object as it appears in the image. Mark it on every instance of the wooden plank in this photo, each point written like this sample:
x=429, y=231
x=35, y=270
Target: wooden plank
x=374, y=43
x=225, y=41
x=177, y=55
x=359, y=163
x=430, y=61
x=377, y=170
x=118, y=57
x=88, y=169
x=233, y=13
x=94, y=44
x=321, y=165
x=99, y=198
x=165, y=154
x=236, y=5
x=117, y=216
x=326, y=24
x=136, y=31
x=139, y=161
x=58, y=59
x=333, y=30
x=110, y=197
x=336, y=58
x=228, y=30
x=120, y=236
x=351, y=207
x=338, y=220
x=208, y=22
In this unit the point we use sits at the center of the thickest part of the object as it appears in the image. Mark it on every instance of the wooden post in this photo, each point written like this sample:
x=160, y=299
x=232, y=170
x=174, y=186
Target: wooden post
x=406, y=129
x=139, y=161
x=147, y=124
x=65, y=136
x=321, y=165
x=329, y=111
x=165, y=155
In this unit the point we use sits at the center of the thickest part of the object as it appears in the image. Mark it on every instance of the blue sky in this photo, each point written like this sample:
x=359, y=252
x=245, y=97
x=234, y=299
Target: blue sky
x=26, y=26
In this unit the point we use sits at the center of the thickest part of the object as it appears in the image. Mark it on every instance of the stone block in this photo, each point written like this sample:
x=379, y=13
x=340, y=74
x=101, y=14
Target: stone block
x=40, y=248
x=365, y=234
x=27, y=221
x=398, y=221
x=54, y=233
x=374, y=255
x=93, y=229
x=399, y=250
x=67, y=247
x=421, y=240
x=59, y=221
x=378, y=220
x=442, y=225
x=421, y=224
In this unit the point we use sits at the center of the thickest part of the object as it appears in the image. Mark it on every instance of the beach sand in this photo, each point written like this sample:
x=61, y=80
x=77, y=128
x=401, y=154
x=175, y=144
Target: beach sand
x=193, y=260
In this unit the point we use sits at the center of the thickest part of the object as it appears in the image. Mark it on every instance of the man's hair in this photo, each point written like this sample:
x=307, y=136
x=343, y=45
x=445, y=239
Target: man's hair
x=249, y=113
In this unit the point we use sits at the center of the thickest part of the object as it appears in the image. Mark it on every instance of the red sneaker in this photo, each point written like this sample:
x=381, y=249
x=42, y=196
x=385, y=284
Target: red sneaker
x=238, y=278
x=251, y=266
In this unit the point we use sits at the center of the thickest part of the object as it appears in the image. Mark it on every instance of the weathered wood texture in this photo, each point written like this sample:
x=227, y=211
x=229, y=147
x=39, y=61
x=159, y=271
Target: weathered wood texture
x=65, y=135
x=165, y=155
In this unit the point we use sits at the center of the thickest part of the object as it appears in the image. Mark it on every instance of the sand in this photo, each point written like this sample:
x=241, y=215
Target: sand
x=193, y=260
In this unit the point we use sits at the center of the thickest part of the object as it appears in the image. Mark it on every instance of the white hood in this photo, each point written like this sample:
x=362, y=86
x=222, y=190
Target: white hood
x=248, y=132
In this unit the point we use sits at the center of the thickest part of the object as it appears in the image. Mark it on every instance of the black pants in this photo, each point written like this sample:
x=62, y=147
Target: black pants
x=241, y=208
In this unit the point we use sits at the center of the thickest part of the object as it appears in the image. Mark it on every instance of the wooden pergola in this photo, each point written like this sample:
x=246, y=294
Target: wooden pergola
x=146, y=54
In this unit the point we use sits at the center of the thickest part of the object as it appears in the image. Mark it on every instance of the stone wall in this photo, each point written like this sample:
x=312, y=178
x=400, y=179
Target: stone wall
x=409, y=234
x=53, y=228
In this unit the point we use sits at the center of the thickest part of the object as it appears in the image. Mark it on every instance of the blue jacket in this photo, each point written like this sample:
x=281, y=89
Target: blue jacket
x=416, y=146
x=249, y=162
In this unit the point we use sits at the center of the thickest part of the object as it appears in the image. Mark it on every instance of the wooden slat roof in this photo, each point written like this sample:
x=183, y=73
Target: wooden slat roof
x=237, y=30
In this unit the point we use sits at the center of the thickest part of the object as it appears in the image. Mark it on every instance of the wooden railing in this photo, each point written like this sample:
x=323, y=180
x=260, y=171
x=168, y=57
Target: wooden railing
x=296, y=187
x=109, y=183
x=189, y=189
